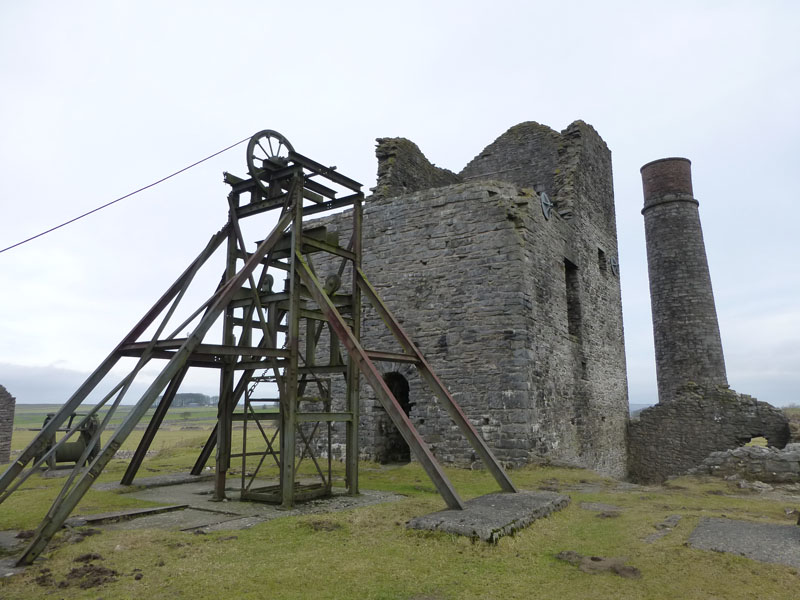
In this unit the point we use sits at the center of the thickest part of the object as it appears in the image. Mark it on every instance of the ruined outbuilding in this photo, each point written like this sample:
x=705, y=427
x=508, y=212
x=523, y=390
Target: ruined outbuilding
x=506, y=276
x=7, y=405
x=673, y=437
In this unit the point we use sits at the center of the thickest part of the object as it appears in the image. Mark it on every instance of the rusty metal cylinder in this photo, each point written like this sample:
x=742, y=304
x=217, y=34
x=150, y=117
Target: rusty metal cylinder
x=70, y=451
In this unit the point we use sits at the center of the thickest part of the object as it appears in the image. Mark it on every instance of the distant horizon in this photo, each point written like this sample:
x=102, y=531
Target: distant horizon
x=36, y=385
x=57, y=386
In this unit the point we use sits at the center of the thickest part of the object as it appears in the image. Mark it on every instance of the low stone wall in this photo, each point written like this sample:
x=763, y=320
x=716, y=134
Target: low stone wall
x=673, y=437
x=7, y=404
x=755, y=463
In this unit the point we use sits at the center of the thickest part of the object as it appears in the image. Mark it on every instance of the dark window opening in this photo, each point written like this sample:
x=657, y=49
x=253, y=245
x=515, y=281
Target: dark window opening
x=396, y=449
x=601, y=260
x=573, y=299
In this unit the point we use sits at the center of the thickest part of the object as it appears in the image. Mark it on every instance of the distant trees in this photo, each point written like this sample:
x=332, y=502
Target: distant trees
x=186, y=399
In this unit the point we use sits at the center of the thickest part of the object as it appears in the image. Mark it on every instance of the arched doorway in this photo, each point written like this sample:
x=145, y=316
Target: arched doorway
x=395, y=448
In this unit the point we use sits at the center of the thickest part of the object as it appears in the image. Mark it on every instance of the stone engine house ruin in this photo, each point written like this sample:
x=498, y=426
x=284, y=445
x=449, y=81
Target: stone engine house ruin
x=506, y=276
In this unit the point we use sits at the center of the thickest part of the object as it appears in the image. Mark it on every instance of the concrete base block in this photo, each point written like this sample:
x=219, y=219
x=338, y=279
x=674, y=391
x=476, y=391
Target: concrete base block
x=490, y=517
x=765, y=542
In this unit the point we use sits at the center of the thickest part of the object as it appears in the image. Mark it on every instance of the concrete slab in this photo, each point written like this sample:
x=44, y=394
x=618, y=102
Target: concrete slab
x=188, y=519
x=600, y=507
x=120, y=515
x=492, y=516
x=8, y=567
x=204, y=514
x=765, y=542
x=9, y=542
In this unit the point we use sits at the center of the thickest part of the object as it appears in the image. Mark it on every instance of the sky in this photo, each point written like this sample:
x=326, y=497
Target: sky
x=102, y=98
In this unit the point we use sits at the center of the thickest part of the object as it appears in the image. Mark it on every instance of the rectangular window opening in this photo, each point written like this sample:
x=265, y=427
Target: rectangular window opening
x=573, y=298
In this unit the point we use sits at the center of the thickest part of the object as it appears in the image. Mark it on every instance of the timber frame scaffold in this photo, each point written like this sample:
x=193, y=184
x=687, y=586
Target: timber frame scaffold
x=288, y=340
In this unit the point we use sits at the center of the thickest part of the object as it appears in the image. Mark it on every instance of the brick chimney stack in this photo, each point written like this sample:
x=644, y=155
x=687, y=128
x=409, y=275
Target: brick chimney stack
x=687, y=340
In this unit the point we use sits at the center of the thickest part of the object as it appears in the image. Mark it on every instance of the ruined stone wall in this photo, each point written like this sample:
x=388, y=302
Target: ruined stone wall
x=403, y=169
x=584, y=183
x=754, y=463
x=519, y=315
x=671, y=438
x=526, y=155
x=7, y=405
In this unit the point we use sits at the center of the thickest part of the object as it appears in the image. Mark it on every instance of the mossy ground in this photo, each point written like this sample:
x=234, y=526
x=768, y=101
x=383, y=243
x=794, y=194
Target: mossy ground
x=368, y=553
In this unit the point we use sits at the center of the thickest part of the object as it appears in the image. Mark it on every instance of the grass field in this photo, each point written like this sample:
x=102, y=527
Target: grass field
x=33, y=415
x=181, y=426
x=368, y=553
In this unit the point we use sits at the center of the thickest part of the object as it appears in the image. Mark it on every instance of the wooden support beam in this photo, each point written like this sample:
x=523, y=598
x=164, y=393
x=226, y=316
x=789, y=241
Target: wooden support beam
x=39, y=443
x=289, y=395
x=66, y=503
x=376, y=355
x=327, y=172
x=342, y=202
x=152, y=428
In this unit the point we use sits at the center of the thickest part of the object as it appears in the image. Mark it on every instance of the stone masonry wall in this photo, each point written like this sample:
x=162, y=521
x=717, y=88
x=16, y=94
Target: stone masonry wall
x=584, y=182
x=7, y=405
x=671, y=438
x=526, y=155
x=447, y=263
x=519, y=315
x=755, y=463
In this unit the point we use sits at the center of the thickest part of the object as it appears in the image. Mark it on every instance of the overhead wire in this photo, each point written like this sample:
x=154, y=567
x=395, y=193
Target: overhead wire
x=107, y=204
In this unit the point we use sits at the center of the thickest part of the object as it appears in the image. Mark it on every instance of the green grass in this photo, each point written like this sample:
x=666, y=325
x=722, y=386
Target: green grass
x=792, y=411
x=33, y=415
x=368, y=552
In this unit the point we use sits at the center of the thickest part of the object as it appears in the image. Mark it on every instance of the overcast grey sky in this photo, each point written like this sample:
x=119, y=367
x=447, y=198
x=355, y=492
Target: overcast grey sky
x=100, y=98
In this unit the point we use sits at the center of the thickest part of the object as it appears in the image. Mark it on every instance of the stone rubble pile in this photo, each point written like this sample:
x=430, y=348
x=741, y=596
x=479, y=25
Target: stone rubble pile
x=754, y=463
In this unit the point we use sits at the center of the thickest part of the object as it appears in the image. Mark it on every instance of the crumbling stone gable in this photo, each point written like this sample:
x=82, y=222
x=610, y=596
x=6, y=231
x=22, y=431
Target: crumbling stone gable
x=583, y=180
x=7, y=405
x=671, y=438
x=403, y=169
x=525, y=155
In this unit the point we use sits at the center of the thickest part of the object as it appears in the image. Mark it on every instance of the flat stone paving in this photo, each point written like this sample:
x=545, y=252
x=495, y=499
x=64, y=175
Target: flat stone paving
x=204, y=514
x=765, y=542
x=492, y=516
